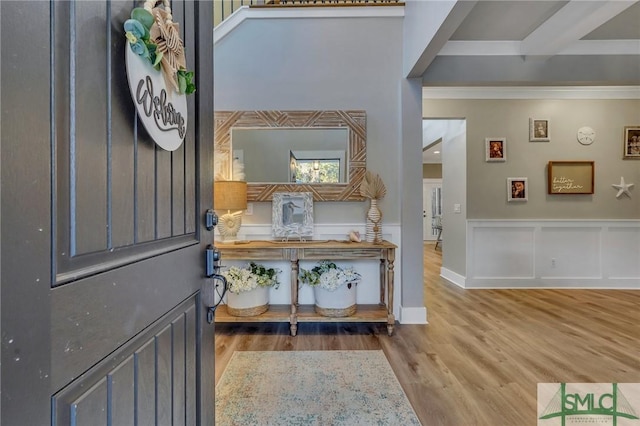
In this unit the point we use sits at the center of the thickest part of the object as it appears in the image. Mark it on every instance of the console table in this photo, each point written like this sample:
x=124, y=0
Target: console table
x=294, y=251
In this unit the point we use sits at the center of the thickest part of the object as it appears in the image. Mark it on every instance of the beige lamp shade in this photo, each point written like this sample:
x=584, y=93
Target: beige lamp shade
x=230, y=195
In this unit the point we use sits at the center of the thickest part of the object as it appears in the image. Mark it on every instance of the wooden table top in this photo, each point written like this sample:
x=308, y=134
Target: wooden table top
x=331, y=244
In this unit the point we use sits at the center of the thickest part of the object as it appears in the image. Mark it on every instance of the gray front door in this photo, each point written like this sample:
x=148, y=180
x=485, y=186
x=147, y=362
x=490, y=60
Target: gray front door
x=102, y=250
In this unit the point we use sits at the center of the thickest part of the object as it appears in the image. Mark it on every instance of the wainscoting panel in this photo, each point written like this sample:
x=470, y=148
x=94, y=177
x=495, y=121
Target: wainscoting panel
x=569, y=252
x=511, y=252
x=620, y=244
x=553, y=254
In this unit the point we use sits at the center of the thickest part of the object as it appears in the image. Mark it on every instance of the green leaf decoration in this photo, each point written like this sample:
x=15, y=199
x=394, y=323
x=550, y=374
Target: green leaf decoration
x=185, y=82
x=182, y=83
x=143, y=16
x=155, y=56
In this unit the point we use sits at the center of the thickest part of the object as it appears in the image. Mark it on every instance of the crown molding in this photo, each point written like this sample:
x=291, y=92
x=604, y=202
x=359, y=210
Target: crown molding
x=532, y=92
x=246, y=12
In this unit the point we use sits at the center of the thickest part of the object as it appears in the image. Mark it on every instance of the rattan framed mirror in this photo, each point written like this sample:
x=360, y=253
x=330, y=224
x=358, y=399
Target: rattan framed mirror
x=353, y=120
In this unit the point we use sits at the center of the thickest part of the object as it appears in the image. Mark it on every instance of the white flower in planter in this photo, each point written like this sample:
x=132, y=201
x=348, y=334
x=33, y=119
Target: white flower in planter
x=329, y=276
x=251, y=277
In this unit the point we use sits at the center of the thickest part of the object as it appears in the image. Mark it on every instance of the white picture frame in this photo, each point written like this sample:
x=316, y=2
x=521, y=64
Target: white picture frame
x=517, y=189
x=292, y=215
x=539, y=130
x=631, y=147
x=495, y=149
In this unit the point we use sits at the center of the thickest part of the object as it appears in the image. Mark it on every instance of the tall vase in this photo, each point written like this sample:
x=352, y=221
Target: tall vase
x=373, y=226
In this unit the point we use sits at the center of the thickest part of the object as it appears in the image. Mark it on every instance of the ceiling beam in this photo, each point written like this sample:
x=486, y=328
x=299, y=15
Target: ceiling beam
x=448, y=17
x=575, y=20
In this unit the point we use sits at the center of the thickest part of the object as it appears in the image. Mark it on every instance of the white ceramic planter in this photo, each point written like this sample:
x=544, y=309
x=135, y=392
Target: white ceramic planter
x=248, y=303
x=339, y=303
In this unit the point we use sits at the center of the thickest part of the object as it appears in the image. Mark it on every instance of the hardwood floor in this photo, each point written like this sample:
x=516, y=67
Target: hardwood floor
x=479, y=359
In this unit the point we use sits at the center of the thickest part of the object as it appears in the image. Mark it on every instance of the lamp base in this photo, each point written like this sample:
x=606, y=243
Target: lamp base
x=229, y=225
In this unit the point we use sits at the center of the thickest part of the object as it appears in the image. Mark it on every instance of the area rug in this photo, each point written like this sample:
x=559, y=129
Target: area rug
x=311, y=388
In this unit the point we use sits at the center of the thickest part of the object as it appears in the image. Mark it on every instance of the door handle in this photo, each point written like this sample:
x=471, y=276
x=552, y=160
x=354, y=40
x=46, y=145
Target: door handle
x=211, y=219
x=214, y=281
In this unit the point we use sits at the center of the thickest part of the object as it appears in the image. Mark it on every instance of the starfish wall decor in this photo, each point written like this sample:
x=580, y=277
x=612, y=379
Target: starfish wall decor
x=623, y=188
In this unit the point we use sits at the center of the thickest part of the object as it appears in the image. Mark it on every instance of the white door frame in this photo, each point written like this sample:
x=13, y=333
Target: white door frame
x=427, y=231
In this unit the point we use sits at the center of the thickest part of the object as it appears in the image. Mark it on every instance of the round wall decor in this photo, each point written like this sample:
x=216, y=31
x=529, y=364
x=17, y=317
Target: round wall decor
x=157, y=74
x=586, y=135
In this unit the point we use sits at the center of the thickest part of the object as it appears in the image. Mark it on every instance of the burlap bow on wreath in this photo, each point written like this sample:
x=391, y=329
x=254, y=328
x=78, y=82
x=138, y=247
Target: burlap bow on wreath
x=166, y=35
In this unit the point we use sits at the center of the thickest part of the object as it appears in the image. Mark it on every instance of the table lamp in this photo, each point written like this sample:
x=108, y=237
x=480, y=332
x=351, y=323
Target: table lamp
x=230, y=195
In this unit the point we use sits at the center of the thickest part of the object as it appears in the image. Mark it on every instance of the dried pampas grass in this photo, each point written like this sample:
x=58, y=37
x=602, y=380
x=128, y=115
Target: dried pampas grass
x=238, y=170
x=223, y=170
x=372, y=186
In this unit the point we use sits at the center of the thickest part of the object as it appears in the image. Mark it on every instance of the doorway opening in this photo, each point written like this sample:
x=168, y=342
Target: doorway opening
x=441, y=139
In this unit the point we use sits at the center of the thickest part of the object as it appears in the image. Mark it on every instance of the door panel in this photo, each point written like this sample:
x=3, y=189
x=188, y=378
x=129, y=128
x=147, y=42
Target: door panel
x=90, y=316
x=145, y=382
x=102, y=237
x=148, y=182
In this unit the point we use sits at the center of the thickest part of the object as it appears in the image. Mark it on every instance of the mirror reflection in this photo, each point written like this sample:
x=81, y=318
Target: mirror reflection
x=292, y=155
x=322, y=152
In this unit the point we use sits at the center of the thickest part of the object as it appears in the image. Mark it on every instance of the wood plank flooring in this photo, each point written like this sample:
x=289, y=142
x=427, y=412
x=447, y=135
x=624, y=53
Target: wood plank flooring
x=479, y=359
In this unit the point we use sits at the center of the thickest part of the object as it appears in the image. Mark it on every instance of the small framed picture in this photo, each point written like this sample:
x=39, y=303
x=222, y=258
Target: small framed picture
x=495, y=149
x=539, y=130
x=632, y=142
x=292, y=215
x=517, y=189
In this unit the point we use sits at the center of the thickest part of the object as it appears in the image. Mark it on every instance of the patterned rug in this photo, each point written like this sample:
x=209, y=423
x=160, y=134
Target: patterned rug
x=311, y=388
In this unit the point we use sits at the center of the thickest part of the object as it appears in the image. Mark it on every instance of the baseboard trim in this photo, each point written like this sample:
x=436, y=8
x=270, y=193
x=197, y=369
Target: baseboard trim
x=453, y=277
x=413, y=315
x=555, y=283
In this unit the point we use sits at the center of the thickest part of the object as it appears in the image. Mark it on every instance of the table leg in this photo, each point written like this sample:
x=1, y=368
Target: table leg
x=383, y=279
x=391, y=320
x=293, y=319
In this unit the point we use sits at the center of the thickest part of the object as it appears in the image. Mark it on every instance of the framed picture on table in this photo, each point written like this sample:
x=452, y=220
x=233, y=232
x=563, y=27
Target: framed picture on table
x=292, y=215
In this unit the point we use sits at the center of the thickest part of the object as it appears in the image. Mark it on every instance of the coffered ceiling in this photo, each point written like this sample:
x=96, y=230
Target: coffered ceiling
x=577, y=42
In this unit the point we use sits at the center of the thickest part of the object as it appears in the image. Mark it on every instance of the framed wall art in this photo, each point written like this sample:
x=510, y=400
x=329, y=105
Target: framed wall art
x=292, y=215
x=539, y=130
x=570, y=177
x=631, y=145
x=517, y=189
x=495, y=149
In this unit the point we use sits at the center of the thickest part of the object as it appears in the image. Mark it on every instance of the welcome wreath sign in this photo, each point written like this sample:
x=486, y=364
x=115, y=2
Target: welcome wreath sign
x=156, y=70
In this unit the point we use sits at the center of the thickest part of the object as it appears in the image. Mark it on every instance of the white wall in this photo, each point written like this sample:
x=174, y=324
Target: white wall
x=320, y=62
